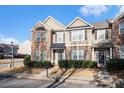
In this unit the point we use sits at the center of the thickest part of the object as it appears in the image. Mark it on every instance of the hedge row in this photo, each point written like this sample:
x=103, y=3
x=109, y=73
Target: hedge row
x=77, y=64
x=37, y=64
x=115, y=64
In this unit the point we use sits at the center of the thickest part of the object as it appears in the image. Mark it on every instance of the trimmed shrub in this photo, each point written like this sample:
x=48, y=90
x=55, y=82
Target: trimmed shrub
x=36, y=64
x=77, y=64
x=1, y=57
x=115, y=64
x=27, y=60
x=45, y=64
x=89, y=64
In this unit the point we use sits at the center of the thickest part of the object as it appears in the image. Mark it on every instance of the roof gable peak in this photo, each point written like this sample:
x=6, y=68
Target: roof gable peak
x=78, y=18
x=51, y=17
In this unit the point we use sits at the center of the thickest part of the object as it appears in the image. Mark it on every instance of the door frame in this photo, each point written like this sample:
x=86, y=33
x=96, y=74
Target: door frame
x=105, y=52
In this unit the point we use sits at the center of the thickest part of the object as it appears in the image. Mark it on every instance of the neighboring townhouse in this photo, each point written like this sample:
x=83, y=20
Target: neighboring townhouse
x=25, y=47
x=118, y=36
x=79, y=40
x=102, y=46
x=6, y=49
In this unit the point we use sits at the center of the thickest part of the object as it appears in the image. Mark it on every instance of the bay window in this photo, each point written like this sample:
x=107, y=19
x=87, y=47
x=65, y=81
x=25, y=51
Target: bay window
x=38, y=36
x=44, y=36
x=43, y=54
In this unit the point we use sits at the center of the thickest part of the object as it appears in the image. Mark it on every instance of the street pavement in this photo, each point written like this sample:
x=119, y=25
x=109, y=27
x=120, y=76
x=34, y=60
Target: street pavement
x=12, y=82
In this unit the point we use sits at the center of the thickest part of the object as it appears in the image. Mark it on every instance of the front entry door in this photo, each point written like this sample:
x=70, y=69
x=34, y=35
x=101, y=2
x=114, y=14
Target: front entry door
x=101, y=56
x=58, y=56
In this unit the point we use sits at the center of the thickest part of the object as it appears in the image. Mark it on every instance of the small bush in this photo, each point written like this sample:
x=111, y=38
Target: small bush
x=27, y=60
x=115, y=64
x=1, y=57
x=46, y=64
x=77, y=64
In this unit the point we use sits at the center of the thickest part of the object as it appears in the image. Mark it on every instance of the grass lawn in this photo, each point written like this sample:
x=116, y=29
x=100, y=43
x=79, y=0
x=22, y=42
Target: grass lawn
x=79, y=72
x=16, y=69
x=5, y=61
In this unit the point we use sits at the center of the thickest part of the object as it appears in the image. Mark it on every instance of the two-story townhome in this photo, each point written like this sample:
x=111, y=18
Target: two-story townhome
x=79, y=40
x=102, y=46
x=44, y=36
x=118, y=35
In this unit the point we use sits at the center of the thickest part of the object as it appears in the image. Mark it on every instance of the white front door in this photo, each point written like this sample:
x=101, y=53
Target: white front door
x=56, y=57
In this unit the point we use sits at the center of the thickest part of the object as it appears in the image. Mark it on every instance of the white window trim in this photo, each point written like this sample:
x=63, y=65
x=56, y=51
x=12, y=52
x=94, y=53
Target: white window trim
x=46, y=36
x=77, y=54
x=78, y=31
x=104, y=35
x=121, y=51
x=62, y=33
x=37, y=35
x=119, y=29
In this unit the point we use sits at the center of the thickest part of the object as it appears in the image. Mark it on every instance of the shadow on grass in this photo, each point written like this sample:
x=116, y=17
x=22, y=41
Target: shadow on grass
x=57, y=83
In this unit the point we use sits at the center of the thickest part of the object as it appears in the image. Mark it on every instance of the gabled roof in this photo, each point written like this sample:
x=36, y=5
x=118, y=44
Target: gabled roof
x=78, y=22
x=98, y=25
x=39, y=24
x=118, y=16
x=53, y=23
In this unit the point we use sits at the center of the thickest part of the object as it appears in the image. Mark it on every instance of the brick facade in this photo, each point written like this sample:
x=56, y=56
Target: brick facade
x=54, y=50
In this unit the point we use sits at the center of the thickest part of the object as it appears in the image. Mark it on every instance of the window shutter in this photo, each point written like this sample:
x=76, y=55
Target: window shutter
x=85, y=34
x=70, y=36
x=63, y=37
x=55, y=37
x=95, y=34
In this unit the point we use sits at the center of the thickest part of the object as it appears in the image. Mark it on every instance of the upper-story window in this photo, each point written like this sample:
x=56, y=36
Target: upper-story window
x=59, y=37
x=38, y=36
x=44, y=36
x=78, y=36
x=101, y=35
x=121, y=27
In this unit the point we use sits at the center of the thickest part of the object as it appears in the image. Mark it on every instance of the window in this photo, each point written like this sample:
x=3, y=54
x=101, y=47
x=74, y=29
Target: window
x=36, y=55
x=44, y=36
x=122, y=51
x=101, y=34
x=121, y=27
x=78, y=36
x=74, y=55
x=77, y=54
x=38, y=36
x=43, y=54
x=81, y=54
x=60, y=37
